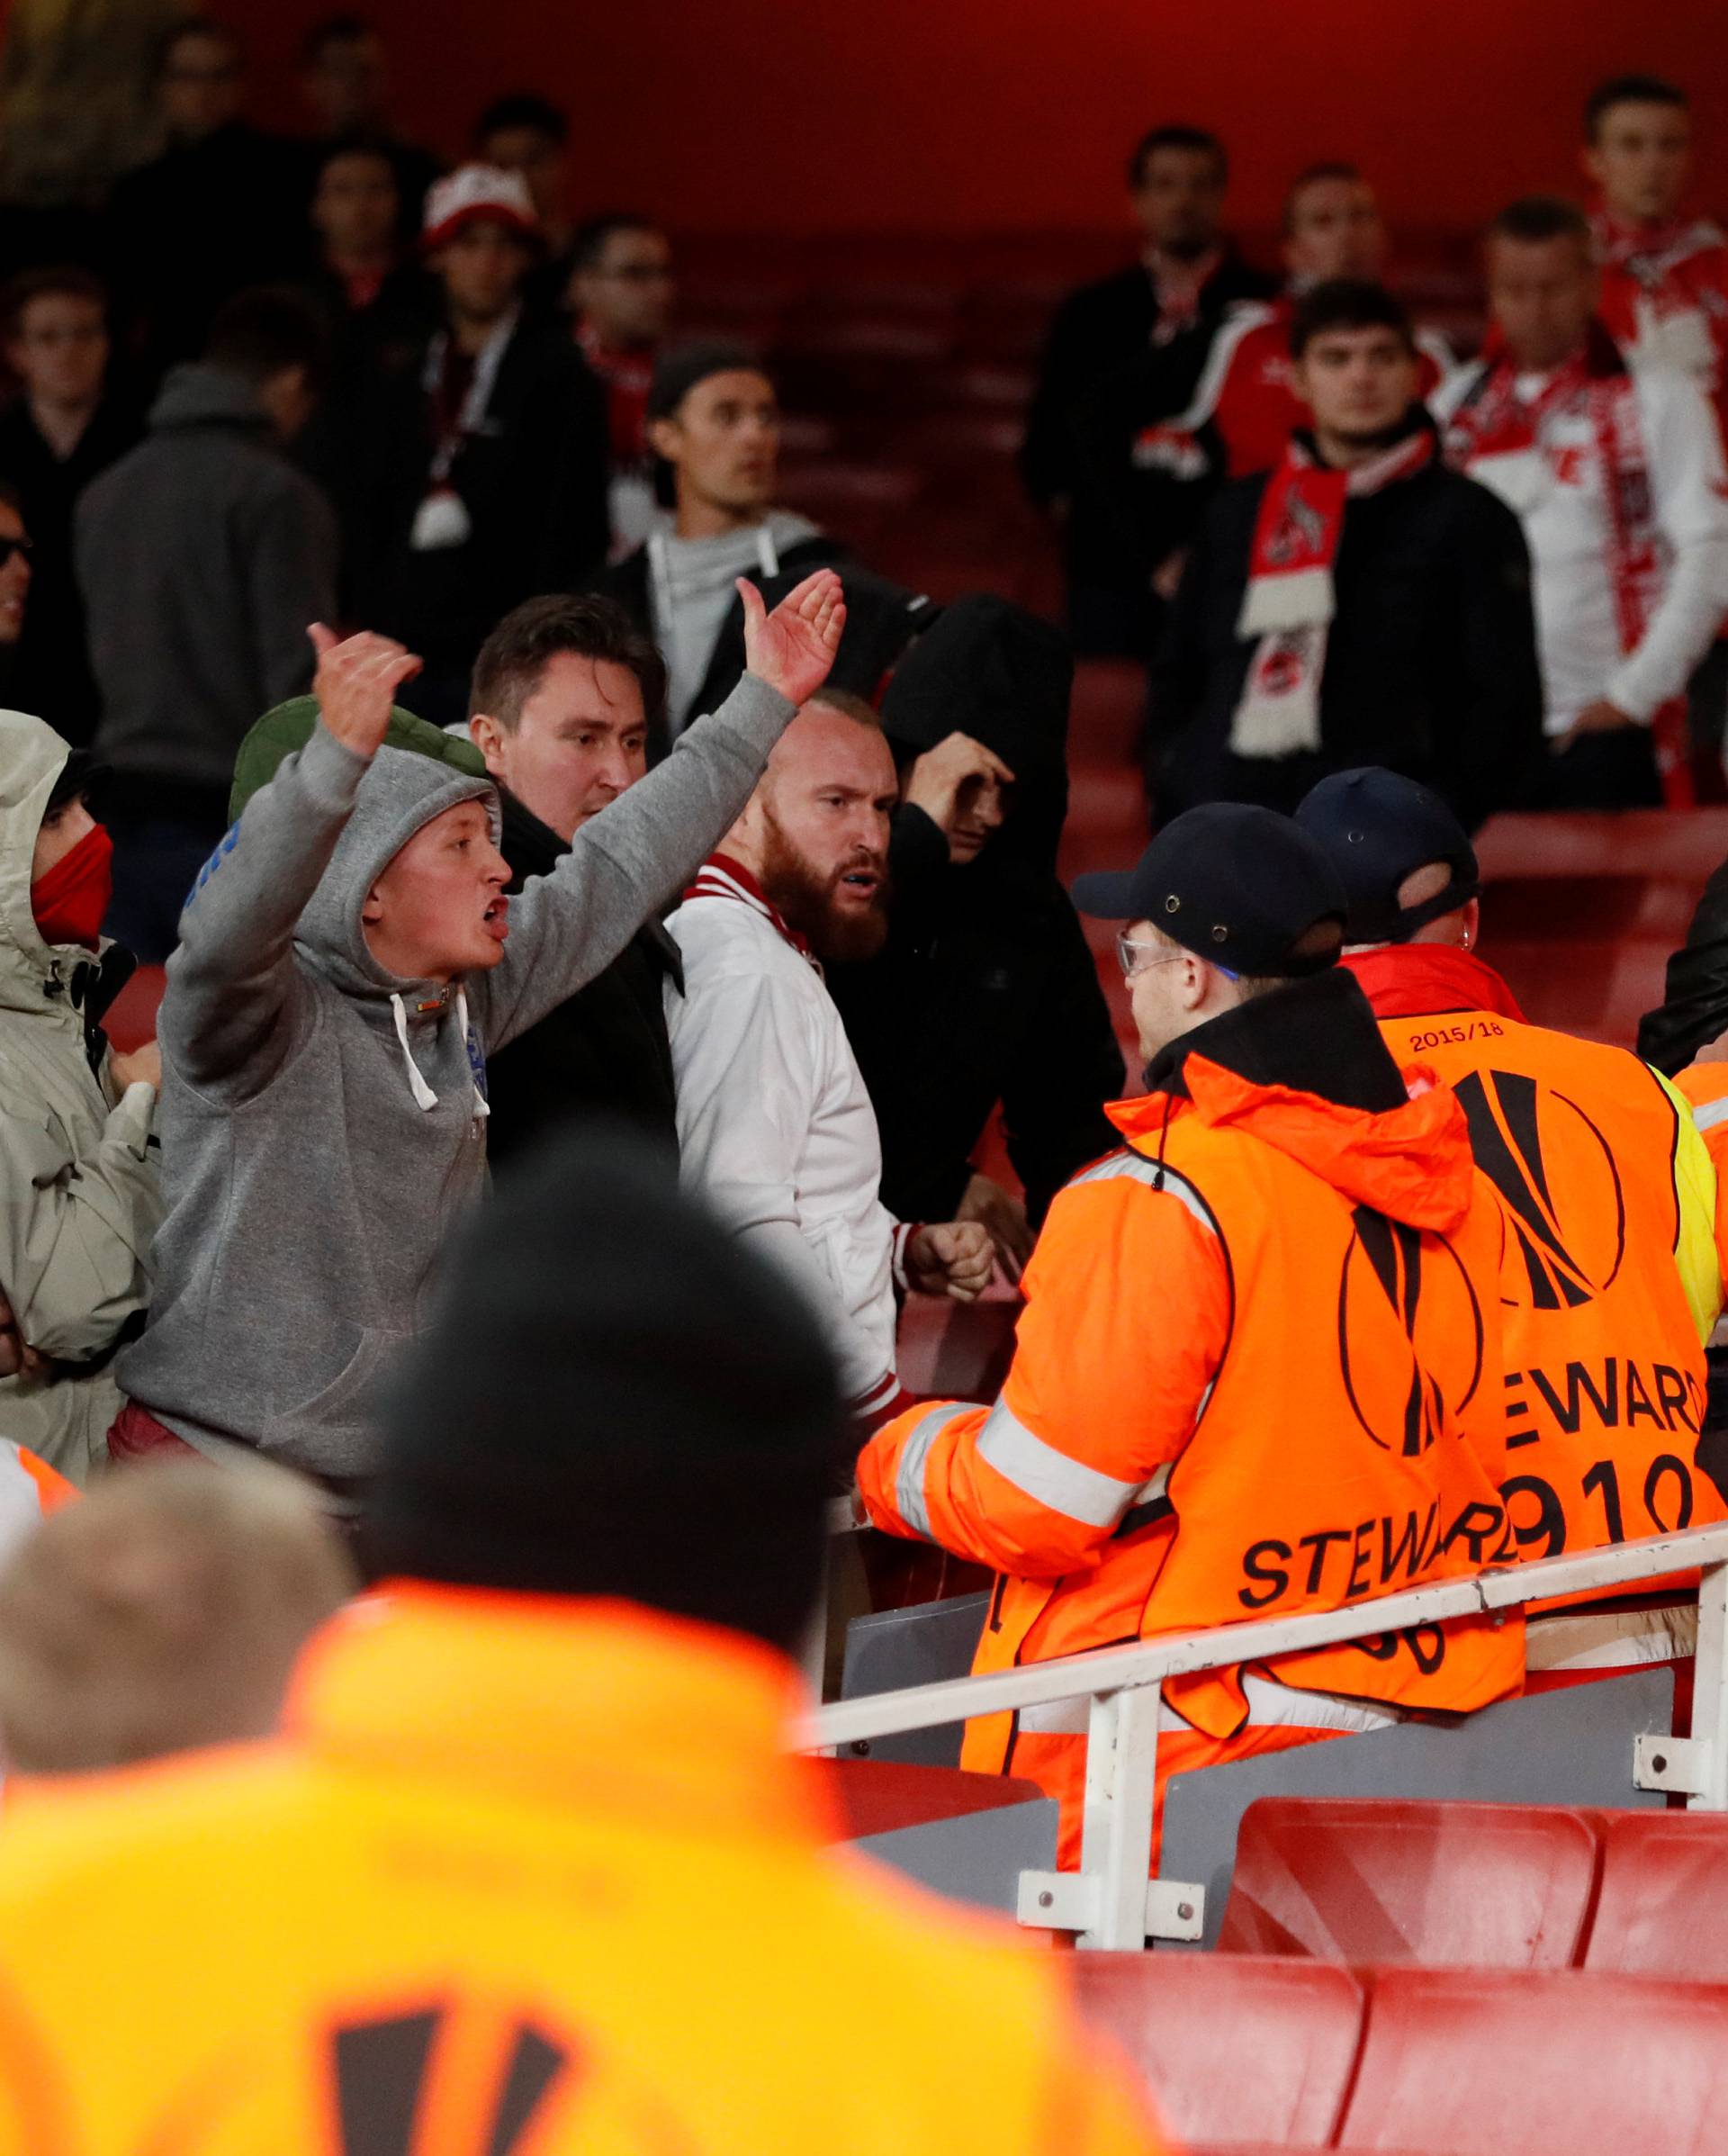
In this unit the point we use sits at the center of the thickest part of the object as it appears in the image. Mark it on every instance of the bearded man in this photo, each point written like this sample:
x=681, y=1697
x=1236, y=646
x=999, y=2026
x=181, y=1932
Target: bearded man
x=775, y=1127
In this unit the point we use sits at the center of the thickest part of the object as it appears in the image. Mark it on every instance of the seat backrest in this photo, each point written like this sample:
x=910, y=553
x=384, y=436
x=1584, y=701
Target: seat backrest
x=1502, y=2062
x=1390, y=1880
x=1234, y=2048
x=1663, y=1906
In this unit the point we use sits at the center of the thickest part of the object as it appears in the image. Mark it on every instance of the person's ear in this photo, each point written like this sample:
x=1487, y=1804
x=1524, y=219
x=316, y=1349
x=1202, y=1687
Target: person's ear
x=1472, y=924
x=664, y=438
x=488, y=738
x=372, y=909
x=1591, y=159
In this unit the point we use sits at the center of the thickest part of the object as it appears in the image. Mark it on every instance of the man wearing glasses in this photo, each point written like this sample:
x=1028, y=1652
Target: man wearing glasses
x=1258, y=1373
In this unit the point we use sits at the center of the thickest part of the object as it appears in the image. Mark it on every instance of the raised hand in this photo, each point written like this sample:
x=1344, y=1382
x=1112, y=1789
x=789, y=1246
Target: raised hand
x=355, y=685
x=938, y=774
x=792, y=648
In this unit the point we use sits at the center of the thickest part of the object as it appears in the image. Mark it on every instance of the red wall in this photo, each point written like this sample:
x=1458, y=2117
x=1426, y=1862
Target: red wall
x=974, y=115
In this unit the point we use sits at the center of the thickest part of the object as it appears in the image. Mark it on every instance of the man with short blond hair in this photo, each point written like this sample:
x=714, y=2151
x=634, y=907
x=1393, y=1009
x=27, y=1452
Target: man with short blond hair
x=162, y=1613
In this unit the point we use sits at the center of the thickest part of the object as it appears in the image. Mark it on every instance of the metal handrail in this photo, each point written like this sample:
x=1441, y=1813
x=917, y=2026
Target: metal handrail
x=1109, y=1901
x=1149, y=1661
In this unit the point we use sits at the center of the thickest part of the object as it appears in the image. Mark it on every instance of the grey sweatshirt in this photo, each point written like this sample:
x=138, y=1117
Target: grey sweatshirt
x=322, y=1122
x=202, y=554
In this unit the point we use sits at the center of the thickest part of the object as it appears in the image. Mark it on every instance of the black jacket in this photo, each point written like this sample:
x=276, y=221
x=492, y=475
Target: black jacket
x=51, y=673
x=1100, y=335
x=533, y=480
x=628, y=583
x=1430, y=661
x=1694, y=1008
x=987, y=991
x=601, y=1052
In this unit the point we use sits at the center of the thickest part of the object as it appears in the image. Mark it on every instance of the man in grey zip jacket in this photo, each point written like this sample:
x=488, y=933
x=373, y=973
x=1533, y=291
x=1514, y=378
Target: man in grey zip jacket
x=323, y=1109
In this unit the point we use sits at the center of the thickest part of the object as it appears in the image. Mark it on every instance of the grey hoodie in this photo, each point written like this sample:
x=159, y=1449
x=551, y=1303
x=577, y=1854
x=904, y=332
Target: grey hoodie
x=323, y=1122
x=202, y=554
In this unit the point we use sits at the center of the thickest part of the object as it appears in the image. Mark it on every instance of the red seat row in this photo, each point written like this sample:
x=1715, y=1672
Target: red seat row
x=1241, y=2049
x=1487, y=1886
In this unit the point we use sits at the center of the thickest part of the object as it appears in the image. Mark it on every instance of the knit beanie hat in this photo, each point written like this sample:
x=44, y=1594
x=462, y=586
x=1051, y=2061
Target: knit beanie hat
x=288, y=726
x=614, y=1398
x=681, y=367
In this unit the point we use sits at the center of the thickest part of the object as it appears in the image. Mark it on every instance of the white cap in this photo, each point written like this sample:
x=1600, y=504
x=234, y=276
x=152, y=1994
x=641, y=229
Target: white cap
x=475, y=191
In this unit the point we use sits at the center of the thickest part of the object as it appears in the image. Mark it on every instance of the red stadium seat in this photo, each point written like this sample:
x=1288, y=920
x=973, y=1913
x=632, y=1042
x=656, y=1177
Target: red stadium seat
x=1663, y=1906
x=1234, y=2048
x=1480, y=1886
x=131, y=1019
x=1494, y=2062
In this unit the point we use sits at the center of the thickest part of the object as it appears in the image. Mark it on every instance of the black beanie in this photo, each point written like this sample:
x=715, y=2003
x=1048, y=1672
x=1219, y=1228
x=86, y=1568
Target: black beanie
x=681, y=367
x=987, y=668
x=614, y=1398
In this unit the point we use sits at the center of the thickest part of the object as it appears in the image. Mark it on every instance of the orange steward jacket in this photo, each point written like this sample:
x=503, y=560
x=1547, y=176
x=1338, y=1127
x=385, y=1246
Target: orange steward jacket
x=1259, y=1374
x=1612, y=1279
x=523, y=1876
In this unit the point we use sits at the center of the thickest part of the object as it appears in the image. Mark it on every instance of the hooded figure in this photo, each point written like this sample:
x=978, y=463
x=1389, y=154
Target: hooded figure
x=987, y=991
x=325, y=1119
x=78, y=1196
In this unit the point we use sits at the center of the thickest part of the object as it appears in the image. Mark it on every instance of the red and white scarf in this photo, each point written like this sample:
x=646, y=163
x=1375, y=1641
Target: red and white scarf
x=1649, y=253
x=1495, y=421
x=1290, y=600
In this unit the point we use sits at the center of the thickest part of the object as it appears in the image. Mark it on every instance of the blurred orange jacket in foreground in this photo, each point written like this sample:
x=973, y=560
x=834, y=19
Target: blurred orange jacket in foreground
x=523, y=1876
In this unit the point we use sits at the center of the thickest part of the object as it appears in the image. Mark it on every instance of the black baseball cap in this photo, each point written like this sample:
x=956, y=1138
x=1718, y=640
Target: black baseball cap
x=1240, y=886
x=680, y=368
x=1377, y=828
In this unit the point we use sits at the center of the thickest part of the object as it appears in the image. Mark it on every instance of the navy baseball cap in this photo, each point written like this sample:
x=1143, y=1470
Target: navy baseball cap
x=1377, y=828
x=1240, y=886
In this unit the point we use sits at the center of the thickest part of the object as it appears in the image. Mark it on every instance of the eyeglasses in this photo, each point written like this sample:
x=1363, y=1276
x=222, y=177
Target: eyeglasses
x=8, y=547
x=1129, y=957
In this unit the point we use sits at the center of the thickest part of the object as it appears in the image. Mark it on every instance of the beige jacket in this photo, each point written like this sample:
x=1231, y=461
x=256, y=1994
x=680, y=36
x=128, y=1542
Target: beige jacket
x=79, y=1199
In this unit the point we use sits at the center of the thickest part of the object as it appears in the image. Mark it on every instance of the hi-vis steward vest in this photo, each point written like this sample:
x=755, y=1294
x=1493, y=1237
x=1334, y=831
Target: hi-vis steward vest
x=1612, y=1279
x=1295, y=1306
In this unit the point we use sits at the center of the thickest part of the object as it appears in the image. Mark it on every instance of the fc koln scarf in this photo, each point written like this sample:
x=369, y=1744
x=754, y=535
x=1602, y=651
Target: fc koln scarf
x=1494, y=420
x=1290, y=602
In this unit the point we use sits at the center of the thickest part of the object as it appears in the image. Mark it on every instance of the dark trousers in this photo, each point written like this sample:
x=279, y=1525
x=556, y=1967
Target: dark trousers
x=1601, y=771
x=156, y=860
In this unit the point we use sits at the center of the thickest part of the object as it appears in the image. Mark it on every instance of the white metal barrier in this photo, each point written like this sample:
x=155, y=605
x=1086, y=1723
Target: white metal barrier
x=1110, y=1901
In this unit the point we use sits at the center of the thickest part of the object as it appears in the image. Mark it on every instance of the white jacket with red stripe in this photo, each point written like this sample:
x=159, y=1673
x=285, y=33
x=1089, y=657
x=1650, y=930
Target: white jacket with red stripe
x=775, y=1127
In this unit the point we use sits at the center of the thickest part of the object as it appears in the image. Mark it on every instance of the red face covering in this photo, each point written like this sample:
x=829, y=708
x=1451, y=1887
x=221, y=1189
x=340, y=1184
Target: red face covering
x=71, y=901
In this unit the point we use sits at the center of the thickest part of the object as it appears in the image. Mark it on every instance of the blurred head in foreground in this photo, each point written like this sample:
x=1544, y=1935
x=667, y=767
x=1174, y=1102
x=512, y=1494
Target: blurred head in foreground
x=615, y=1399
x=163, y=1612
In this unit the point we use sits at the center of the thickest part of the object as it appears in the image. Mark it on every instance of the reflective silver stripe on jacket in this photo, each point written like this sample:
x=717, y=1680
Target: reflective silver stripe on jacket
x=909, y=1500
x=1706, y=1119
x=1051, y=1478
x=1141, y=1171
x=1271, y=1706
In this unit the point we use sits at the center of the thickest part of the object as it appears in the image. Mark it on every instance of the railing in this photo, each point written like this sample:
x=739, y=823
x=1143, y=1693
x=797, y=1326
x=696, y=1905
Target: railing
x=1109, y=1902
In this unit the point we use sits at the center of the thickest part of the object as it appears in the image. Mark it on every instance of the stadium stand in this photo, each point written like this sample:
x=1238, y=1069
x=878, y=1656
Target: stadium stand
x=1482, y=1886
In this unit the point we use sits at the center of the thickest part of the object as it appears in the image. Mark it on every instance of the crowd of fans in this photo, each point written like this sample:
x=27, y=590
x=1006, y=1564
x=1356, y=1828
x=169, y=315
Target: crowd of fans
x=407, y=646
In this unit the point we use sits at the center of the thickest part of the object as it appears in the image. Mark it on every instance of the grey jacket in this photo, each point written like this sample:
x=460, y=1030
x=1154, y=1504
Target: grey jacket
x=78, y=1196
x=203, y=555
x=323, y=1122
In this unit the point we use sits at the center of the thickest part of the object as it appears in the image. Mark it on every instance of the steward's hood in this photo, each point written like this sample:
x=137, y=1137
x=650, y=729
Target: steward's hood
x=32, y=758
x=400, y=794
x=1414, y=980
x=1305, y=1069
x=196, y=395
